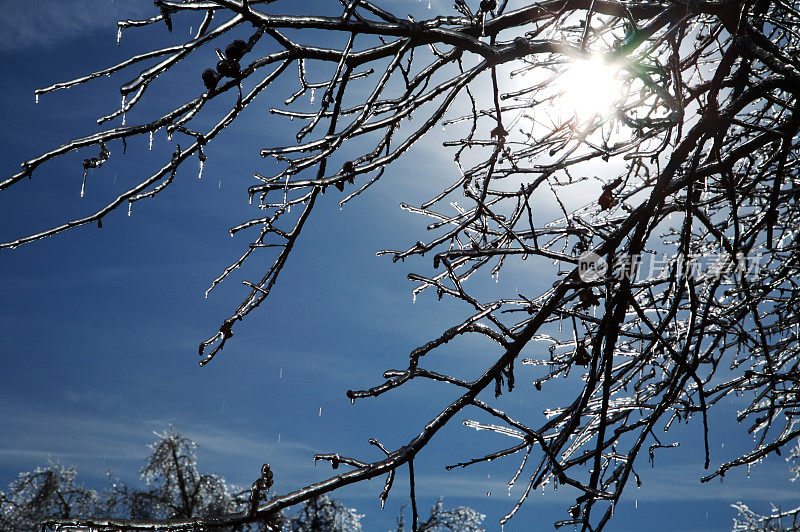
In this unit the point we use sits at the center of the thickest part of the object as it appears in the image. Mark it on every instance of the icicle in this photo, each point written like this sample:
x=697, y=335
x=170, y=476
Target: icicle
x=151, y=141
x=130, y=206
x=429, y=4
x=200, y=173
x=37, y=97
x=352, y=400
x=313, y=91
x=123, y=109
x=169, y=134
x=413, y=297
x=636, y=503
x=119, y=34
x=83, y=182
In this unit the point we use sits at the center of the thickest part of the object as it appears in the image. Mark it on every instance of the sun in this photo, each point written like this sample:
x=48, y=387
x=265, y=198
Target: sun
x=590, y=87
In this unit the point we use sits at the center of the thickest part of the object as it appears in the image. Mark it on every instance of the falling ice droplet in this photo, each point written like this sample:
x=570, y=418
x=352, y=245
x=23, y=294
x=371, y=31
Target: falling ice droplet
x=130, y=206
x=122, y=107
x=429, y=4
x=119, y=34
x=320, y=411
x=37, y=97
x=200, y=173
x=151, y=141
x=313, y=91
x=280, y=375
x=83, y=182
x=279, y=437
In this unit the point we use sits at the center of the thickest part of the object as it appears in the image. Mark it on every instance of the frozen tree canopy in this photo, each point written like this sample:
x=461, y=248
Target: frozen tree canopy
x=677, y=267
x=779, y=519
x=175, y=489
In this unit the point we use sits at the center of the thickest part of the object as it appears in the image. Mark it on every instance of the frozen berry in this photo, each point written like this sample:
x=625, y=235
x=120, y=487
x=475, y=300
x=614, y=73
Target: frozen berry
x=210, y=78
x=229, y=68
x=236, y=50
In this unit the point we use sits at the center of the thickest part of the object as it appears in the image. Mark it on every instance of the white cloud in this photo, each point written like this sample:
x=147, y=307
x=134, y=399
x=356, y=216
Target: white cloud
x=95, y=444
x=45, y=23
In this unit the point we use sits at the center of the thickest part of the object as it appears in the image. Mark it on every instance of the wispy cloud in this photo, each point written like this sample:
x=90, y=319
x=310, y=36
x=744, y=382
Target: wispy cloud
x=681, y=482
x=95, y=444
x=46, y=23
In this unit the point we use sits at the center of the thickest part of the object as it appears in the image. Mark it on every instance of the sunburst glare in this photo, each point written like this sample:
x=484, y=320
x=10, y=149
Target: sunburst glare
x=590, y=87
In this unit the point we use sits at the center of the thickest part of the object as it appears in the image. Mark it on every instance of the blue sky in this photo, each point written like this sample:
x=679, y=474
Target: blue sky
x=100, y=327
